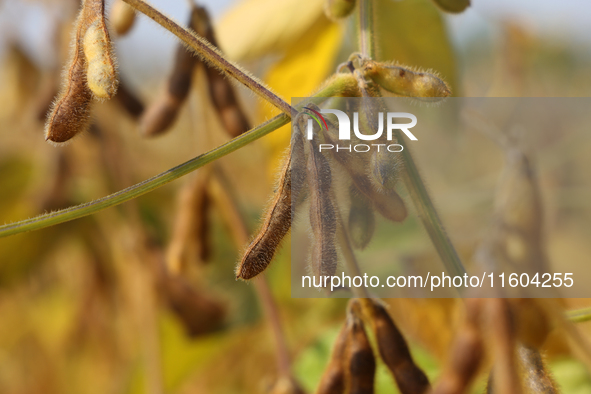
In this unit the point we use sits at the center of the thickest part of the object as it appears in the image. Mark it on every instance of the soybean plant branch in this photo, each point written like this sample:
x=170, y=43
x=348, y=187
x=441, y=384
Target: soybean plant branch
x=211, y=55
x=78, y=211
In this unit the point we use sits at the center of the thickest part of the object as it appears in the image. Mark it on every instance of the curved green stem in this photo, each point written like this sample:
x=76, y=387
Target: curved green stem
x=78, y=211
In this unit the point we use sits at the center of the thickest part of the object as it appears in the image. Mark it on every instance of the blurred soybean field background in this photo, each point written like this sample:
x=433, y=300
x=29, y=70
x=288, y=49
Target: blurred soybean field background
x=89, y=307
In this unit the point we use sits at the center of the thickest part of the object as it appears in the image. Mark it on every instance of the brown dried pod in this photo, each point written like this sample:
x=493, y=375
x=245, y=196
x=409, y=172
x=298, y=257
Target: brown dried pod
x=333, y=378
x=122, y=17
x=161, y=114
x=92, y=73
x=536, y=377
x=221, y=90
x=298, y=169
x=360, y=363
x=533, y=322
x=203, y=226
x=190, y=242
x=386, y=201
x=385, y=168
x=277, y=222
x=362, y=222
x=70, y=111
x=466, y=354
x=323, y=220
x=500, y=324
x=129, y=101
x=394, y=350
x=515, y=241
x=198, y=311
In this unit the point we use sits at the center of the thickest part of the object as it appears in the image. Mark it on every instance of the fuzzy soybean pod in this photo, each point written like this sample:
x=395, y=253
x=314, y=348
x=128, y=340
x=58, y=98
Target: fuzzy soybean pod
x=466, y=353
x=298, y=169
x=515, y=239
x=161, y=114
x=276, y=225
x=384, y=166
x=362, y=222
x=535, y=374
x=502, y=336
x=394, y=350
x=533, y=322
x=360, y=363
x=404, y=81
x=190, y=241
x=101, y=73
x=452, y=6
x=338, y=9
x=70, y=112
x=122, y=17
x=384, y=169
x=129, y=101
x=198, y=311
x=390, y=205
x=323, y=219
x=277, y=222
x=333, y=378
x=221, y=91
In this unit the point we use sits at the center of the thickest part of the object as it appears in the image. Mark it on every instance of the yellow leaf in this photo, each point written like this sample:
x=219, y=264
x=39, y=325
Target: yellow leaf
x=305, y=66
x=254, y=28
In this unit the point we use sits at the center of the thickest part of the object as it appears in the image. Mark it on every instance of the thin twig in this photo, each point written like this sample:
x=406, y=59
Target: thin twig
x=231, y=213
x=78, y=211
x=272, y=313
x=366, y=29
x=211, y=55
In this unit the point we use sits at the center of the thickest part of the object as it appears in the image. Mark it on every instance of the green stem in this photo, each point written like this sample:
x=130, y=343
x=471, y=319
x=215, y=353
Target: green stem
x=579, y=315
x=412, y=179
x=78, y=211
x=366, y=29
x=426, y=210
x=211, y=54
